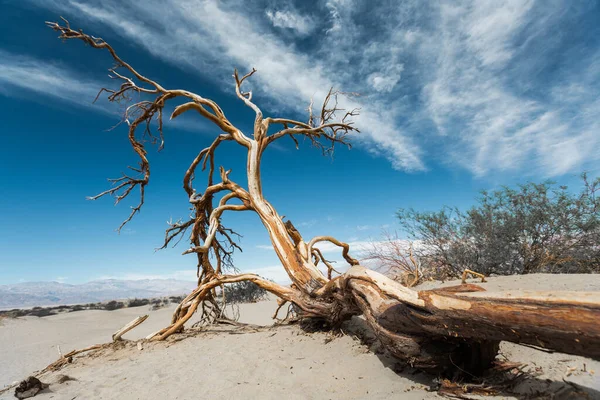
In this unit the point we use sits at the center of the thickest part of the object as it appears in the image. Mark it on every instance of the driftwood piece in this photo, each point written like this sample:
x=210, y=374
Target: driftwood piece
x=117, y=335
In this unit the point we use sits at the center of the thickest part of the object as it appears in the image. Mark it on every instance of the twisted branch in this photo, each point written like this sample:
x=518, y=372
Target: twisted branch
x=345, y=247
x=328, y=128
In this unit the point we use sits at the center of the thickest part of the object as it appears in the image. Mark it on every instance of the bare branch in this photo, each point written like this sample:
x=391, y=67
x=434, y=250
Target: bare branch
x=176, y=229
x=319, y=257
x=344, y=246
x=215, y=222
x=67, y=33
x=217, y=116
x=246, y=97
x=325, y=133
x=189, y=305
x=144, y=112
x=204, y=156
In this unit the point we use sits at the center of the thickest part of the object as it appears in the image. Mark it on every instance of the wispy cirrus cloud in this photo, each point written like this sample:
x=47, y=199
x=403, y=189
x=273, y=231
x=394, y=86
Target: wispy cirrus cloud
x=21, y=73
x=34, y=78
x=222, y=37
x=291, y=19
x=467, y=83
x=486, y=93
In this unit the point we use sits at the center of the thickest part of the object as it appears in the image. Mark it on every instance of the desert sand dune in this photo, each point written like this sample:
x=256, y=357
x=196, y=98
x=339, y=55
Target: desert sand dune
x=274, y=363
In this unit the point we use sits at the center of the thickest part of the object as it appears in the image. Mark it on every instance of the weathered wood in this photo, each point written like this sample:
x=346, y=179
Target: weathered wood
x=464, y=324
x=117, y=335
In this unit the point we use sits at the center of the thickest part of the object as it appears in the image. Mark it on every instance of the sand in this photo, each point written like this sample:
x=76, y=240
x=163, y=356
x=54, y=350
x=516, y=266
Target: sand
x=281, y=362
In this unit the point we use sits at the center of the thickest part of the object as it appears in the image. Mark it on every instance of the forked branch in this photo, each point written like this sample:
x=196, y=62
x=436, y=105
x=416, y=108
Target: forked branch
x=327, y=126
x=345, y=247
x=145, y=112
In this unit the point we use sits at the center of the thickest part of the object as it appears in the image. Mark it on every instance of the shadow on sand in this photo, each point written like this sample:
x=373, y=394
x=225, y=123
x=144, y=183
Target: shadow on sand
x=525, y=385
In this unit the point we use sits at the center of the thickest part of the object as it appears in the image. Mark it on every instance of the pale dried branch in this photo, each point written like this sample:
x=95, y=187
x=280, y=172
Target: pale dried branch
x=176, y=229
x=345, y=247
x=319, y=257
x=246, y=97
x=189, y=305
x=67, y=33
x=466, y=272
x=215, y=223
x=117, y=335
x=203, y=157
x=324, y=134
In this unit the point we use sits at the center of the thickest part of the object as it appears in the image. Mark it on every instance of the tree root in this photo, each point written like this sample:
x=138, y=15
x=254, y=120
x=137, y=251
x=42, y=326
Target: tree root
x=448, y=329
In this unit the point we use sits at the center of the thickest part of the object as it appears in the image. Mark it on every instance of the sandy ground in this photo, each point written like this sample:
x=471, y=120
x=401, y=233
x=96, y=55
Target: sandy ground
x=30, y=343
x=273, y=363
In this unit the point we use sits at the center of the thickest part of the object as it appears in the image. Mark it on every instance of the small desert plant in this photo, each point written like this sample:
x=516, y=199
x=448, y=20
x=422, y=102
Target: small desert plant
x=113, y=305
x=244, y=292
x=176, y=299
x=138, y=302
x=41, y=312
x=396, y=258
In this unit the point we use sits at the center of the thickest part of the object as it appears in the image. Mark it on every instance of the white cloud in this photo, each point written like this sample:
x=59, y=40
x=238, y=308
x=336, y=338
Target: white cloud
x=464, y=69
x=303, y=25
x=386, y=80
x=32, y=78
x=491, y=26
x=495, y=127
x=61, y=279
x=222, y=38
x=22, y=73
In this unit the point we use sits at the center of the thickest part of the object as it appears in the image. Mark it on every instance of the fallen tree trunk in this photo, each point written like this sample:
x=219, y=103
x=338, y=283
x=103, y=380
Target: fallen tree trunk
x=457, y=328
x=462, y=326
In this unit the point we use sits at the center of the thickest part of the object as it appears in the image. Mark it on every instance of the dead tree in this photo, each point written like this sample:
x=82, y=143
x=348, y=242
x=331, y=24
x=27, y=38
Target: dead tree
x=458, y=327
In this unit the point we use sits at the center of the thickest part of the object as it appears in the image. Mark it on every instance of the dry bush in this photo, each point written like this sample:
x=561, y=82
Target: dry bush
x=138, y=302
x=113, y=305
x=395, y=258
x=532, y=228
x=244, y=292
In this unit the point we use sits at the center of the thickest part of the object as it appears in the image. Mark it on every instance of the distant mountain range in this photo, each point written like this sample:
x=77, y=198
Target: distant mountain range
x=32, y=294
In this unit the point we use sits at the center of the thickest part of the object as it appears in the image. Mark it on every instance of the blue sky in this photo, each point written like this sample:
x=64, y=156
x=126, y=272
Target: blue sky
x=456, y=96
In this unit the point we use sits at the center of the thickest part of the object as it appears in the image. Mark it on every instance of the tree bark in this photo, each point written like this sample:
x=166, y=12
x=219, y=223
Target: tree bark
x=462, y=326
